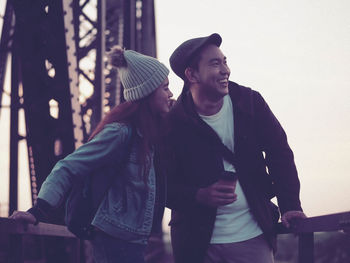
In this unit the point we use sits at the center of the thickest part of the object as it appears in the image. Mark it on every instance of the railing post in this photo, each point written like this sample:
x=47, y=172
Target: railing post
x=306, y=247
x=74, y=250
x=16, y=250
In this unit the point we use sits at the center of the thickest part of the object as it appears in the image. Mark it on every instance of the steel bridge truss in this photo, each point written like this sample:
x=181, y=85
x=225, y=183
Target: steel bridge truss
x=59, y=76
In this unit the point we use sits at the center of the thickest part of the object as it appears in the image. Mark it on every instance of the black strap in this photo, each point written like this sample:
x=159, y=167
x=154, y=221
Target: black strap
x=228, y=154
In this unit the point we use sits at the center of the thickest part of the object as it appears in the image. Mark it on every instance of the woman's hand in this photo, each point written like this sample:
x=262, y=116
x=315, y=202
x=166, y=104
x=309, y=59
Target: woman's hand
x=24, y=217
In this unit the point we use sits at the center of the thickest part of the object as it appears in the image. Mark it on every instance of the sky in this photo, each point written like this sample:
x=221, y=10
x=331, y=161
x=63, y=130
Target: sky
x=296, y=53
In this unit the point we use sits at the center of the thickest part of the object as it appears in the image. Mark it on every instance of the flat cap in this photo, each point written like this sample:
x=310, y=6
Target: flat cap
x=184, y=53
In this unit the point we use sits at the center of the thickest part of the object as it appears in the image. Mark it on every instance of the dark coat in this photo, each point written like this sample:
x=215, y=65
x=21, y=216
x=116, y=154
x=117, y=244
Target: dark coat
x=195, y=161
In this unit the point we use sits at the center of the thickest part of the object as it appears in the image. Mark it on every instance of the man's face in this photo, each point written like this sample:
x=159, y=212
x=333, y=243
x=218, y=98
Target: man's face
x=213, y=73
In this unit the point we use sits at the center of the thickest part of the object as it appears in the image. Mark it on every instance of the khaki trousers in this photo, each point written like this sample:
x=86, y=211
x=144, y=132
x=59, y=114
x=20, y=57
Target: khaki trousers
x=255, y=250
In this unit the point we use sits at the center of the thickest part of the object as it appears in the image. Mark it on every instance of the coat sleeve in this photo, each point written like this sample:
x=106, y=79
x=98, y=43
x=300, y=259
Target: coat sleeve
x=279, y=156
x=104, y=149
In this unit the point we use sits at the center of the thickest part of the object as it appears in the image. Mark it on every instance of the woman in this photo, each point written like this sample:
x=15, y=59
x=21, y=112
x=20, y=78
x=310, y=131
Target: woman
x=132, y=207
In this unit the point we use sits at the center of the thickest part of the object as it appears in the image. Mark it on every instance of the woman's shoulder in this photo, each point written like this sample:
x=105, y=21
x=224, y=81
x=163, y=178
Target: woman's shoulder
x=118, y=127
x=114, y=130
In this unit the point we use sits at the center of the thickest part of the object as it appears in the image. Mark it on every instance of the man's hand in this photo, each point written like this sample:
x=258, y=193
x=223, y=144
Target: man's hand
x=24, y=217
x=288, y=217
x=217, y=194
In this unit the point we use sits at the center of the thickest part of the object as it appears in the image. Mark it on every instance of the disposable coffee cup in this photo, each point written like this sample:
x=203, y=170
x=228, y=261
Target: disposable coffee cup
x=229, y=176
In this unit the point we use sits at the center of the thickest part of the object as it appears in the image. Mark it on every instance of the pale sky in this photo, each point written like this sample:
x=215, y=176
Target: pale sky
x=296, y=53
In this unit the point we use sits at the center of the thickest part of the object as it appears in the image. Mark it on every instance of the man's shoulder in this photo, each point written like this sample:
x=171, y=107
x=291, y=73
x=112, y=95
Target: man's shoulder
x=178, y=122
x=178, y=112
x=244, y=98
x=237, y=90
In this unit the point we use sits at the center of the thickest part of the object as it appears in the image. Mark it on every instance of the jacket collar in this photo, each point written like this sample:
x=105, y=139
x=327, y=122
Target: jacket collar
x=185, y=112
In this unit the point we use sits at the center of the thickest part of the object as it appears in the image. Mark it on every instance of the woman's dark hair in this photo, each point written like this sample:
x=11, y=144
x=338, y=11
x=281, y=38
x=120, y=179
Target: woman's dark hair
x=139, y=115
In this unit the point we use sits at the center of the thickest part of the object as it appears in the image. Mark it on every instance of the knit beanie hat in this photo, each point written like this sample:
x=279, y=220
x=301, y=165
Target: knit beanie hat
x=139, y=74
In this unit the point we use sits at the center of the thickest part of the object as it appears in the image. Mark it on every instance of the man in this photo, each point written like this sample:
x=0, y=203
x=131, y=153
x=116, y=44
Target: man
x=215, y=126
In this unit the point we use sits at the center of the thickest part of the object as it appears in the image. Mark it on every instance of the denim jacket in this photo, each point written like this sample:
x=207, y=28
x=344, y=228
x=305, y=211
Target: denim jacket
x=127, y=209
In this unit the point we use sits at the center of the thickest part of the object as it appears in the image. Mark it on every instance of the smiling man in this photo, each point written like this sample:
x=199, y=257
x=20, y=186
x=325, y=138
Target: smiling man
x=222, y=137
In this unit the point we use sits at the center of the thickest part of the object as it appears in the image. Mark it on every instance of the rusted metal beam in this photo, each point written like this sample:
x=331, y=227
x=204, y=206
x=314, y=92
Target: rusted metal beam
x=6, y=40
x=100, y=51
x=14, y=136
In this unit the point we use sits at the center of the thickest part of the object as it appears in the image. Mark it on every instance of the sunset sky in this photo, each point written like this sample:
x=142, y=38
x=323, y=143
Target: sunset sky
x=296, y=53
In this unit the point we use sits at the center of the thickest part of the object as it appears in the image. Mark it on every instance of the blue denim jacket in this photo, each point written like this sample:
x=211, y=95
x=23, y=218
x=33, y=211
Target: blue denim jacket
x=127, y=210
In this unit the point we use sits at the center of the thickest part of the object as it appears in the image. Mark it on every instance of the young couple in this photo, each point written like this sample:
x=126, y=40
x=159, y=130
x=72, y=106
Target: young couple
x=215, y=128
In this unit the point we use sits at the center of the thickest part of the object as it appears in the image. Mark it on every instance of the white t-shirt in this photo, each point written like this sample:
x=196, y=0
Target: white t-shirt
x=234, y=222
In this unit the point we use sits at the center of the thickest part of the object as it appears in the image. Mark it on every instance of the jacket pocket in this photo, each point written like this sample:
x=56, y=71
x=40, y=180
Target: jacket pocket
x=115, y=197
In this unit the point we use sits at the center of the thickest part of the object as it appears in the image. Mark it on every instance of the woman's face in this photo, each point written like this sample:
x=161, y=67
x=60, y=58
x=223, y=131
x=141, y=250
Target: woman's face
x=160, y=99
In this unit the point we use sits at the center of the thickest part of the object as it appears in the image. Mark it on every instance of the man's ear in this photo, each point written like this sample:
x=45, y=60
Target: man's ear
x=190, y=75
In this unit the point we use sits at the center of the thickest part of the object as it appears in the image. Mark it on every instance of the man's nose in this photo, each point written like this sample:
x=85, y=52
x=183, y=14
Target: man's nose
x=225, y=69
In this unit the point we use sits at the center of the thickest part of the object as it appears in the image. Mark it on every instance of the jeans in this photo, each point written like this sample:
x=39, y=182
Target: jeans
x=108, y=249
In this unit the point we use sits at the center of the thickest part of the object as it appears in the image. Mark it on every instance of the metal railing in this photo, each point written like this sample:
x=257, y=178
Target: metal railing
x=304, y=228
x=17, y=230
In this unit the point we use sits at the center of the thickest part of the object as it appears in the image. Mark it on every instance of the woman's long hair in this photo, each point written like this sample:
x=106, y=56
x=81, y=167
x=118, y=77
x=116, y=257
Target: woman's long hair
x=141, y=118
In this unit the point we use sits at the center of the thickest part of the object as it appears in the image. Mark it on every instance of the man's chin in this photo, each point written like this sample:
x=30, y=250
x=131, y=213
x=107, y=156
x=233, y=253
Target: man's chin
x=223, y=91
